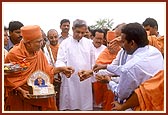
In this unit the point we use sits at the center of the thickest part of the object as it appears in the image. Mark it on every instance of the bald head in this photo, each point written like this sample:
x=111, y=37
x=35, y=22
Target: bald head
x=118, y=29
x=52, y=36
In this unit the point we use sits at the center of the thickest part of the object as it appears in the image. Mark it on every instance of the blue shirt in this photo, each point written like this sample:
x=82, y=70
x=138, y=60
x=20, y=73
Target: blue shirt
x=9, y=45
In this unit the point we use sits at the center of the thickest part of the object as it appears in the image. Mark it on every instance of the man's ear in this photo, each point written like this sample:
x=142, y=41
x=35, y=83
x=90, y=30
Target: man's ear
x=155, y=27
x=28, y=44
x=132, y=42
x=10, y=32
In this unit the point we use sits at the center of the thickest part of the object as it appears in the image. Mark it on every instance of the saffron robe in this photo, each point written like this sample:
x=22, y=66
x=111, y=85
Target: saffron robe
x=14, y=80
x=101, y=92
x=151, y=93
x=157, y=42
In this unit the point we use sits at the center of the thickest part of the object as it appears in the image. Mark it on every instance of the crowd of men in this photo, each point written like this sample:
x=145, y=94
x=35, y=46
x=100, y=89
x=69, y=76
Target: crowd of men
x=103, y=69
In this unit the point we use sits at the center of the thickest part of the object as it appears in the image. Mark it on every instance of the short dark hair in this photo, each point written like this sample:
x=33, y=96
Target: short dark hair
x=136, y=32
x=64, y=21
x=151, y=22
x=15, y=25
x=98, y=30
x=106, y=30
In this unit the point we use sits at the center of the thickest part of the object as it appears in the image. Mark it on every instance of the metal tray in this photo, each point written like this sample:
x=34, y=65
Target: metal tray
x=41, y=96
x=13, y=68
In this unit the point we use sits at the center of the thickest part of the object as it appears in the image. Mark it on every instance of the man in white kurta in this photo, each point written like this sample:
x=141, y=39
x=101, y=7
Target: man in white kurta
x=99, y=35
x=78, y=52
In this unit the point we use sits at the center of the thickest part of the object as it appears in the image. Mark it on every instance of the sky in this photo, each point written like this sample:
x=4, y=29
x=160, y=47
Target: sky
x=49, y=14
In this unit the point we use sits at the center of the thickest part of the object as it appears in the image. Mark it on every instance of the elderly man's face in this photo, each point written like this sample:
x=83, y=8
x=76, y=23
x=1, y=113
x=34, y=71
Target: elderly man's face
x=79, y=32
x=53, y=37
x=36, y=44
x=40, y=81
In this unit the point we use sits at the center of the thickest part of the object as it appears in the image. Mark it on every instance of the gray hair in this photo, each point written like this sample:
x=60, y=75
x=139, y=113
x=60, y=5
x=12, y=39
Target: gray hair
x=79, y=23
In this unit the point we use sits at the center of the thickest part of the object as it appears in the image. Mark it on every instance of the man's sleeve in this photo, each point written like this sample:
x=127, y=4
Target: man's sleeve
x=127, y=84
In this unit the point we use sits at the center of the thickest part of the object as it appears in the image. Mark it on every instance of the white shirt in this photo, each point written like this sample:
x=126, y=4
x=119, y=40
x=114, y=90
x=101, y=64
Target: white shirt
x=97, y=52
x=144, y=63
x=80, y=55
x=61, y=38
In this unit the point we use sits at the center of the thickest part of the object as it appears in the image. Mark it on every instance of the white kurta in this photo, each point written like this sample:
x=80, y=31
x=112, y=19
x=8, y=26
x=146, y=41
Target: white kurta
x=73, y=93
x=98, y=51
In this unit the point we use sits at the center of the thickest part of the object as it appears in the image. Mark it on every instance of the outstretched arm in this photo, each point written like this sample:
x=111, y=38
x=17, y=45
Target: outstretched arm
x=98, y=67
x=131, y=102
x=66, y=70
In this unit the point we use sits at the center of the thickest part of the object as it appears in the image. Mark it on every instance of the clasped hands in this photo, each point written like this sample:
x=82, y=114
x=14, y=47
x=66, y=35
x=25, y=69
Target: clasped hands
x=84, y=74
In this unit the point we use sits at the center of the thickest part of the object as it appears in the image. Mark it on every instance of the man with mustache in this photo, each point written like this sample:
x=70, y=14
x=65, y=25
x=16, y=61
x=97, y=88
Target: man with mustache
x=17, y=90
x=14, y=34
x=137, y=69
x=76, y=51
x=64, y=26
